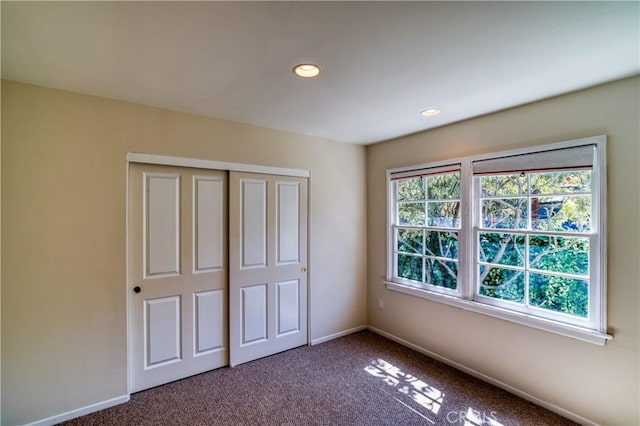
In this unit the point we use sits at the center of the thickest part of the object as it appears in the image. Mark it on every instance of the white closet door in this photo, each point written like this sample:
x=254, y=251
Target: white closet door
x=177, y=276
x=267, y=265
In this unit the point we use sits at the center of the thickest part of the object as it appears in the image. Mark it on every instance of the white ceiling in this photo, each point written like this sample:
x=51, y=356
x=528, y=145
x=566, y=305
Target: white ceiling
x=382, y=62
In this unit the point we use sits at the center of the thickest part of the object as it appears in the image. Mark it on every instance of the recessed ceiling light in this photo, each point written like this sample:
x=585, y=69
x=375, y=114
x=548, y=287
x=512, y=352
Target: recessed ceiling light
x=306, y=70
x=430, y=112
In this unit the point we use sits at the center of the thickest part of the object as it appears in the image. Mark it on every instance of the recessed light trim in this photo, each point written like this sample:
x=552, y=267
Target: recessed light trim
x=306, y=70
x=430, y=112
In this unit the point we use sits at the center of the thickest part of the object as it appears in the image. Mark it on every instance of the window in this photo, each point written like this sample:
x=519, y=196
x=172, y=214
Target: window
x=518, y=235
x=426, y=227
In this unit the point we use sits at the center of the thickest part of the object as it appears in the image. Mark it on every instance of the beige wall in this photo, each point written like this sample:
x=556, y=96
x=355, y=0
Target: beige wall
x=63, y=234
x=597, y=383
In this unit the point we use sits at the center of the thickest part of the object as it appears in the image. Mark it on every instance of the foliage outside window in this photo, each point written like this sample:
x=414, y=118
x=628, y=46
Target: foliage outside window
x=530, y=245
x=426, y=229
x=533, y=240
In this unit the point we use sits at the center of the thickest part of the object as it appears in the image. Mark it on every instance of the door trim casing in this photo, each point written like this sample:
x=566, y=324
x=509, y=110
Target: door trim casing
x=134, y=157
x=165, y=160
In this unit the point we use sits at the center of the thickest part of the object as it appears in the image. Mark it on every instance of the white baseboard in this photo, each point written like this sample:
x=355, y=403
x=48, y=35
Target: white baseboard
x=81, y=411
x=336, y=335
x=549, y=406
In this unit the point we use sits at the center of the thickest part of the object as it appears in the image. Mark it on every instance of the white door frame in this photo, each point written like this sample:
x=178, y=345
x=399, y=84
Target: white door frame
x=135, y=157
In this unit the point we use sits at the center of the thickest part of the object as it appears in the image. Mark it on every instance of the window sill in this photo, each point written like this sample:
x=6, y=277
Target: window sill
x=585, y=335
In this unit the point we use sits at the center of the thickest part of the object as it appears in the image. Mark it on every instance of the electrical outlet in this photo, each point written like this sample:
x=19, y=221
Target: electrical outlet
x=380, y=304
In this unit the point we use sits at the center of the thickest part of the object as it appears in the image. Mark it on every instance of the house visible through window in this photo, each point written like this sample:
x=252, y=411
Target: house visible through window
x=518, y=235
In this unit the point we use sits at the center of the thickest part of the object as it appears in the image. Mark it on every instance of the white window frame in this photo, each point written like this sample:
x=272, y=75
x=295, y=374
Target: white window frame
x=592, y=330
x=407, y=172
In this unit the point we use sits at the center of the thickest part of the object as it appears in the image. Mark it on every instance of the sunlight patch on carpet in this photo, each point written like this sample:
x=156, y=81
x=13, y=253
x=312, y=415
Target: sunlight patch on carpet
x=415, y=389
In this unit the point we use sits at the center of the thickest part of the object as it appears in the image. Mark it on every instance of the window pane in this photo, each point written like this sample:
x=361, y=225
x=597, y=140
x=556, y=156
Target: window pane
x=441, y=273
x=566, y=295
x=410, y=241
x=505, y=284
x=411, y=214
x=502, y=249
x=503, y=185
x=559, y=254
x=411, y=189
x=505, y=214
x=569, y=213
x=573, y=181
x=410, y=267
x=443, y=214
x=444, y=187
x=442, y=244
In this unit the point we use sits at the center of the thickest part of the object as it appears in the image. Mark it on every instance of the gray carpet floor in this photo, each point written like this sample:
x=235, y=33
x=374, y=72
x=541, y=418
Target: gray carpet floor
x=360, y=379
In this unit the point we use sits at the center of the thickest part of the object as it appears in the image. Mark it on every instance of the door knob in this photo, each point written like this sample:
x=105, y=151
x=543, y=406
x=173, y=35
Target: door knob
x=137, y=289
x=303, y=269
